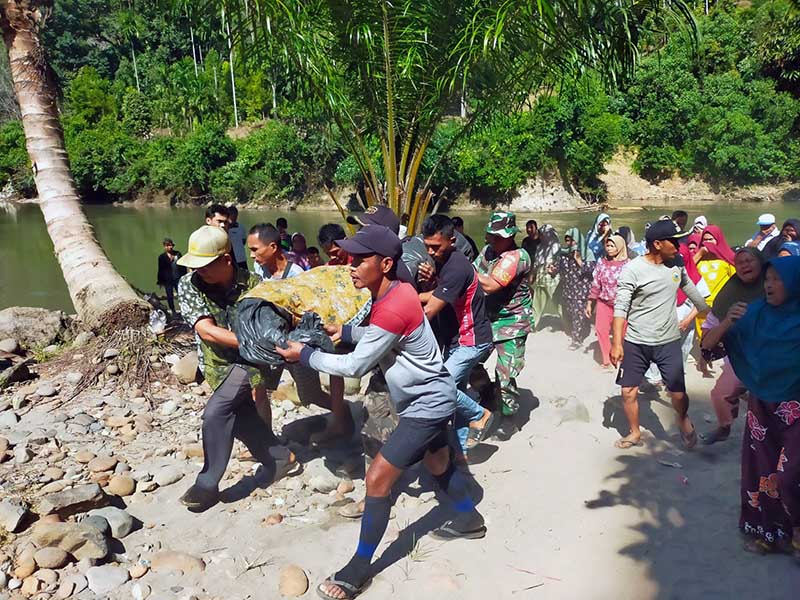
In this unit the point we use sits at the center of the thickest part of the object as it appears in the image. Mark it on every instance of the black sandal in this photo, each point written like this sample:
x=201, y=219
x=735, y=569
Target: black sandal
x=350, y=590
x=477, y=435
x=448, y=531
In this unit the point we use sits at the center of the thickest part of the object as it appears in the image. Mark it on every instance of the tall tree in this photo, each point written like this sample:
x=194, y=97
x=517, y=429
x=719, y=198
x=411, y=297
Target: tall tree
x=102, y=298
x=393, y=69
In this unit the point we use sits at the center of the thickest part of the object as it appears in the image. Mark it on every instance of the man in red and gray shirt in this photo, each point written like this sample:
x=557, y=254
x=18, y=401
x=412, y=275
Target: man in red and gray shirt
x=457, y=303
x=399, y=339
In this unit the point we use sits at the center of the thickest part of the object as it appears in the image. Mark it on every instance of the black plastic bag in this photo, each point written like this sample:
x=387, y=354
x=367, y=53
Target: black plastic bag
x=260, y=326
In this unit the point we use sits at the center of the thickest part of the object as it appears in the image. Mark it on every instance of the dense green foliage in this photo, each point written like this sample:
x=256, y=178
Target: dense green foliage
x=727, y=110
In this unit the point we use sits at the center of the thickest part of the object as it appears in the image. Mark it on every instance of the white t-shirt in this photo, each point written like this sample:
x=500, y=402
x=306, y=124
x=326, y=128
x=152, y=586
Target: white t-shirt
x=293, y=271
x=763, y=243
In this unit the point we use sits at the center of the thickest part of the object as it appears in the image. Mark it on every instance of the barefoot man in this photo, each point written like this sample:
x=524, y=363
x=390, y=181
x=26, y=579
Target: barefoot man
x=401, y=341
x=646, y=297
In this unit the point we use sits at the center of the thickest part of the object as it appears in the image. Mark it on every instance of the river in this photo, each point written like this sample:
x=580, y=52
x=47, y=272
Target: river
x=30, y=275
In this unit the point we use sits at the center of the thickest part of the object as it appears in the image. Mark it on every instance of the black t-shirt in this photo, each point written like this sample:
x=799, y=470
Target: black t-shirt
x=458, y=285
x=530, y=246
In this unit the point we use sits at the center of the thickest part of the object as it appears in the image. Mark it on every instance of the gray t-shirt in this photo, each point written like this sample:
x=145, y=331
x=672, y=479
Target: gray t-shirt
x=647, y=297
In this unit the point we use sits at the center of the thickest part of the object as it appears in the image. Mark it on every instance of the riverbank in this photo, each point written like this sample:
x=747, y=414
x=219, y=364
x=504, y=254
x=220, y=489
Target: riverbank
x=652, y=523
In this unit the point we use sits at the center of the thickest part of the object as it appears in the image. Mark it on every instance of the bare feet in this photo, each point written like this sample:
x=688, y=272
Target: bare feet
x=481, y=423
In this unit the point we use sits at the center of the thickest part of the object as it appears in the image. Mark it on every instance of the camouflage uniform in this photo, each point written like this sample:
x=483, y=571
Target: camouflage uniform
x=509, y=309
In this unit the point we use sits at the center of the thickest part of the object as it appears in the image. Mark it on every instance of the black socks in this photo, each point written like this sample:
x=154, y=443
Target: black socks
x=373, y=526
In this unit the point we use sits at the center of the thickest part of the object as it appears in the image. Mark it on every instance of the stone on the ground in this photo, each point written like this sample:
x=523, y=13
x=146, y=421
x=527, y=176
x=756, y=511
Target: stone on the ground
x=12, y=514
x=345, y=486
x=73, y=501
x=8, y=419
x=26, y=565
x=30, y=585
x=22, y=454
x=323, y=483
x=106, y=578
x=46, y=389
x=80, y=540
x=51, y=558
x=33, y=327
x=47, y=576
x=167, y=476
x=169, y=407
x=102, y=463
x=273, y=519
x=121, y=485
x=97, y=522
x=83, y=338
x=110, y=353
x=141, y=591
x=193, y=450
x=168, y=560
x=53, y=473
x=138, y=570
x=3, y=580
x=73, y=377
x=84, y=456
x=112, y=369
x=185, y=370
x=9, y=345
x=120, y=521
x=293, y=582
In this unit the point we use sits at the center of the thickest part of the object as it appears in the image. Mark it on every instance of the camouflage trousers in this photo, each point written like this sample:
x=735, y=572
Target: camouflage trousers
x=510, y=362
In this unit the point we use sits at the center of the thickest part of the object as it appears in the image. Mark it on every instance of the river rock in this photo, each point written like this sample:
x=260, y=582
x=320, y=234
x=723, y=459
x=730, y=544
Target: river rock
x=53, y=473
x=185, y=370
x=345, y=486
x=83, y=338
x=323, y=483
x=100, y=464
x=169, y=407
x=8, y=419
x=80, y=540
x=106, y=578
x=22, y=454
x=3, y=580
x=30, y=585
x=273, y=519
x=12, y=514
x=120, y=521
x=72, y=501
x=84, y=456
x=97, y=522
x=138, y=570
x=167, y=476
x=293, y=582
x=46, y=389
x=112, y=369
x=9, y=345
x=47, y=576
x=176, y=561
x=51, y=558
x=26, y=565
x=73, y=377
x=121, y=485
x=33, y=327
x=110, y=353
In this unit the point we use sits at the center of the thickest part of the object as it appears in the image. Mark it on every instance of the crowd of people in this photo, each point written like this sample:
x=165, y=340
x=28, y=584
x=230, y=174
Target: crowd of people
x=440, y=306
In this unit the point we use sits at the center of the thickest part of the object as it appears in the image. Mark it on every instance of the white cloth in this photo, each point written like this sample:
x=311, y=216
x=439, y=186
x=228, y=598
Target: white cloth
x=772, y=235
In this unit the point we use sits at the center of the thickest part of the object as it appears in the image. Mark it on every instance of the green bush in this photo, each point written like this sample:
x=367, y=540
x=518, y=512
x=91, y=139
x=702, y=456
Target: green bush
x=199, y=153
x=137, y=117
x=14, y=164
x=89, y=98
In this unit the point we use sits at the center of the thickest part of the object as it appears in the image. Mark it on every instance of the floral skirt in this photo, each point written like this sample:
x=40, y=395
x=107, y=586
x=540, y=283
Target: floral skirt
x=771, y=470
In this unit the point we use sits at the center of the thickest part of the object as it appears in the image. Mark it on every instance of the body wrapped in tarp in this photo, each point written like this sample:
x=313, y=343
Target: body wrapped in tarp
x=296, y=309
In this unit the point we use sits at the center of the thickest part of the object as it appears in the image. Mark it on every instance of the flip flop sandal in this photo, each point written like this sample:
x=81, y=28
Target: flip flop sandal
x=713, y=437
x=286, y=464
x=627, y=444
x=759, y=546
x=689, y=439
x=447, y=532
x=478, y=435
x=350, y=590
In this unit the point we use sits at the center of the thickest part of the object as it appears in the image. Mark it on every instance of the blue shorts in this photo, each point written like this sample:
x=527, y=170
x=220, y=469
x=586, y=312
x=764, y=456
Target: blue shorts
x=638, y=357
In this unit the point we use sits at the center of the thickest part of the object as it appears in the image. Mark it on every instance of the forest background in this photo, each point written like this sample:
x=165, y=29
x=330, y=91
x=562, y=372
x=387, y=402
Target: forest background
x=149, y=110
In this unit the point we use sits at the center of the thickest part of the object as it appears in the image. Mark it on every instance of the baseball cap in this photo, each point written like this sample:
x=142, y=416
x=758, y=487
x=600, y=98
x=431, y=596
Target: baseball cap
x=766, y=219
x=377, y=214
x=502, y=223
x=205, y=246
x=373, y=239
x=664, y=230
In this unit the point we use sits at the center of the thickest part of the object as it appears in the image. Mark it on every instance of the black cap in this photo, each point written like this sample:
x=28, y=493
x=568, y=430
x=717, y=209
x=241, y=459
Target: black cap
x=664, y=230
x=373, y=239
x=376, y=215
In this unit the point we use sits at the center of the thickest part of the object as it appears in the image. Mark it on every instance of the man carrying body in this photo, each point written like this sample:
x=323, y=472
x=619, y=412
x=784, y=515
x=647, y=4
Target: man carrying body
x=503, y=270
x=400, y=340
x=767, y=232
x=646, y=297
x=217, y=216
x=327, y=238
x=269, y=261
x=464, y=331
x=237, y=236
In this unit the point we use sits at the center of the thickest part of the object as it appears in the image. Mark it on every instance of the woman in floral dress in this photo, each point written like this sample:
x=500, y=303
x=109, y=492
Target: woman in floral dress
x=604, y=292
x=575, y=265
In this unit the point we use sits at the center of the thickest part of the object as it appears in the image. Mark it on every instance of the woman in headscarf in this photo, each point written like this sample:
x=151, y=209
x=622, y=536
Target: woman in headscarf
x=544, y=281
x=604, y=291
x=789, y=249
x=299, y=253
x=790, y=232
x=763, y=342
x=598, y=234
x=746, y=286
x=634, y=248
x=575, y=265
x=715, y=262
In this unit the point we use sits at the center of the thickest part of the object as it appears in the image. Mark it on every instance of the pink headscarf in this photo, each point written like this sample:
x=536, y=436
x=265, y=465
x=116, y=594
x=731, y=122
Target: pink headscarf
x=691, y=270
x=720, y=250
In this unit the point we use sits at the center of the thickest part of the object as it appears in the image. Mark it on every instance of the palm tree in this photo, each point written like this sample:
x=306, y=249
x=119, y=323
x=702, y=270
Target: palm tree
x=392, y=69
x=101, y=297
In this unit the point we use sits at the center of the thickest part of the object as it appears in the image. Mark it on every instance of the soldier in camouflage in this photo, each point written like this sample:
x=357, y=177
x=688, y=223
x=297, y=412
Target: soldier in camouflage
x=503, y=269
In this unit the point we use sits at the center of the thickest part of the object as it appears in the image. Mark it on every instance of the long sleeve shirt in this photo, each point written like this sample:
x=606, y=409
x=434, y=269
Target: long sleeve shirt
x=647, y=298
x=604, y=282
x=399, y=340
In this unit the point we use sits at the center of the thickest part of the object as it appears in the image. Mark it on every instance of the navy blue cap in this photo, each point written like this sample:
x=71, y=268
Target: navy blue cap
x=664, y=230
x=373, y=239
x=377, y=214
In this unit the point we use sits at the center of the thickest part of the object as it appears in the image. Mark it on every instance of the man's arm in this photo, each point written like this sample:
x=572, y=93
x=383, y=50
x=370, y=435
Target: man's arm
x=433, y=306
x=210, y=332
x=374, y=344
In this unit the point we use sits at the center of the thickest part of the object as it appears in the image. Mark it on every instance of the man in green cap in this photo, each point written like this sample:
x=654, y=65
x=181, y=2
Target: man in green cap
x=503, y=270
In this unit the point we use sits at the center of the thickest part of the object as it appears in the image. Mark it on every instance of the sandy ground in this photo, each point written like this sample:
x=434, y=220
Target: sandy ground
x=569, y=515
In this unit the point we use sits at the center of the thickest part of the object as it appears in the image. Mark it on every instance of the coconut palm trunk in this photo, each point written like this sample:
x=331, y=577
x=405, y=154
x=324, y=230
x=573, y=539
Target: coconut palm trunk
x=102, y=298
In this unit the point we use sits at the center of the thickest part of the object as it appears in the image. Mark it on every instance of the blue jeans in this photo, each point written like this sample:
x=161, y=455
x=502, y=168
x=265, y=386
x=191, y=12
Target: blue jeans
x=459, y=362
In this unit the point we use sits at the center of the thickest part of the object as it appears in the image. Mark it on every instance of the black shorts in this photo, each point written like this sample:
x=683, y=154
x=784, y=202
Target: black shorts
x=412, y=438
x=638, y=357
